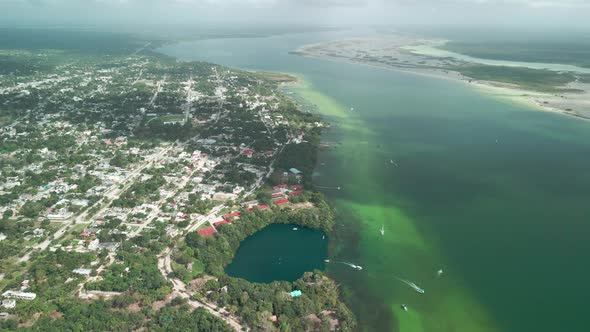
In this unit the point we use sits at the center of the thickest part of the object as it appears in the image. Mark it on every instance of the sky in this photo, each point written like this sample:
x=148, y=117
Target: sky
x=302, y=12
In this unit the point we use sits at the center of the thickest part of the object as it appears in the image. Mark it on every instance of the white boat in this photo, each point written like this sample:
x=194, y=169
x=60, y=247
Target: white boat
x=405, y=307
x=356, y=267
x=352, y=108
x=411, y=284
x=295, y=228
x=439, y=273
x=382, y=230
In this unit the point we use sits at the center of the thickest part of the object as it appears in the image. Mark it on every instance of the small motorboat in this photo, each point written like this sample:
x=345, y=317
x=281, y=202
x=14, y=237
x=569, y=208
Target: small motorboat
x=405, y=307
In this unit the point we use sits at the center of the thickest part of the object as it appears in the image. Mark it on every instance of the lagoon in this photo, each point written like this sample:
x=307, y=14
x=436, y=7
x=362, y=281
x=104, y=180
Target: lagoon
x=493, y=193
x=279, y=252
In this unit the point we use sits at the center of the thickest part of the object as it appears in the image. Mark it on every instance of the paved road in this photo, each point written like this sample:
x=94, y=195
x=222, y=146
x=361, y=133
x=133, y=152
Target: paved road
x=179, y=290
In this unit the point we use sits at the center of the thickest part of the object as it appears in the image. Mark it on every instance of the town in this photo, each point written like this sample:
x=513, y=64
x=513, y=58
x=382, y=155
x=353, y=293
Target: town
x=107, y=162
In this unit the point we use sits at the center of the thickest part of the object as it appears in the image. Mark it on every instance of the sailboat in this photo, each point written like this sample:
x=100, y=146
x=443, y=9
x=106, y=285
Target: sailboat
x=382, y=230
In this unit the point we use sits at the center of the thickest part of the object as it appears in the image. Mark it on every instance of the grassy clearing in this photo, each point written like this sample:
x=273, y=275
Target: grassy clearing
x=526, y=78
x=571, y=53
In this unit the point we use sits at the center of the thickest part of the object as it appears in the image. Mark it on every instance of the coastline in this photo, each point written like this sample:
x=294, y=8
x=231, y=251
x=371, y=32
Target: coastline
x=536, y=100
x=457, y=305
x=365, y=242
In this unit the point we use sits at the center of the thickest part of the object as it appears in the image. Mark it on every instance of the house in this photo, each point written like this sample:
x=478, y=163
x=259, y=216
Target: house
x=80, y=202
x=8, y=303
x=260, y=207
x=62, y=214
x=19, y=295
x=224, y=197
x=295, y=171
x=296, y=193
x=109, y=246
x=296, y=293
x=222, y=222
x=281, y=186
x=230, y=215
x=282, y=201
x=82, y=271
x=206, y=232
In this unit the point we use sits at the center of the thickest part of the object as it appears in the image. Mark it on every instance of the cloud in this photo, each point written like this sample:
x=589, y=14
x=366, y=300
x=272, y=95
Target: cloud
x=321, y=12
x=308, y=3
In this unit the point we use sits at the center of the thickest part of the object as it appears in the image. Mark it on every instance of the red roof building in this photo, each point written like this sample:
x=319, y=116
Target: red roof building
x=248, y=152
x=222, y=222
x=296, y=186
x=260, y=207
x=282, y=201
x=85, y=234
x=296, y=193
x=206, y=232
x=277, y=195
x=233, y=214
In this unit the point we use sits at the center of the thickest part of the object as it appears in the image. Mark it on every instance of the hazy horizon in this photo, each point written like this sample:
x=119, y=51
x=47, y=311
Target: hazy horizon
x=138, y=14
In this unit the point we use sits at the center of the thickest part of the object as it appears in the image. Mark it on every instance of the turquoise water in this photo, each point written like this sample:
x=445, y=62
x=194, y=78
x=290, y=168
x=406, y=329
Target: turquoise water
x=493, y=193
x=279, y=253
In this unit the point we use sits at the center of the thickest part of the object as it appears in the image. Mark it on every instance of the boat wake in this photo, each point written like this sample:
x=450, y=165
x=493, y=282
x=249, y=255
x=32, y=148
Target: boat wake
x=411, y=284
x=356, y=267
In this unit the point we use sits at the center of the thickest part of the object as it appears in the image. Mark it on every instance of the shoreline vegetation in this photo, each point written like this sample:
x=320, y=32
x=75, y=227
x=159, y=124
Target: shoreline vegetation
x=544, y=89
x=267, y=306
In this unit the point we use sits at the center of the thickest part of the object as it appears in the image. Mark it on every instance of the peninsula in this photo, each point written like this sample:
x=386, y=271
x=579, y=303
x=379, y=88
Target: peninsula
x=551, y=87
